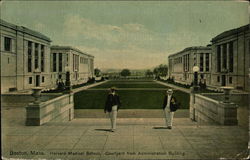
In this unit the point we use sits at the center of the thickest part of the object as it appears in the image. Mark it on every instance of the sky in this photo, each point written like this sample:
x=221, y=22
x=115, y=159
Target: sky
x=125, y=34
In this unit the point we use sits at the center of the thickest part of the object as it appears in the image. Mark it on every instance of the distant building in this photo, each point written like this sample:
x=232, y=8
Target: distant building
x=181, y=64
x=79, y=64
x=24, y=58
x=231, y=58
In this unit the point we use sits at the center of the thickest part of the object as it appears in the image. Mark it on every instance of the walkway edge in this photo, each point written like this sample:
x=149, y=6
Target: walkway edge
x=174, y=86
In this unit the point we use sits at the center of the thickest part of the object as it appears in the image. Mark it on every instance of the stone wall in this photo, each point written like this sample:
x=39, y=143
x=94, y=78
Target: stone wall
x=59, y=109
x=241, y=100
x=207, y=110
x=22, y=100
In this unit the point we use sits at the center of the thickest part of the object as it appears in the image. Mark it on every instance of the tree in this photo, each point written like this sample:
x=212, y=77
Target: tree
x=149, y=73
x=161, y=70
x=97, y=72
x=125, y=72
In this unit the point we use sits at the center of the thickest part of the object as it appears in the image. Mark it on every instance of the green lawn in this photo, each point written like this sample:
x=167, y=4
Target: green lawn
x=143, y=99
x=129, y=84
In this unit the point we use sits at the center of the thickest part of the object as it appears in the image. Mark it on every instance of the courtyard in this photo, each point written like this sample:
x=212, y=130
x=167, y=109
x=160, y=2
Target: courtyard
x=139, y=134
x=134, y=94
x=135, y=138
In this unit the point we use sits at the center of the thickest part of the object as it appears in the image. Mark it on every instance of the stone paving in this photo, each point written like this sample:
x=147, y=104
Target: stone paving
x=135, y=138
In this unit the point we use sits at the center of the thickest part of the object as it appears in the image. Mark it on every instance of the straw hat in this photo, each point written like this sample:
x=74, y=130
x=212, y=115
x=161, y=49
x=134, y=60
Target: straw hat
x=169, y=91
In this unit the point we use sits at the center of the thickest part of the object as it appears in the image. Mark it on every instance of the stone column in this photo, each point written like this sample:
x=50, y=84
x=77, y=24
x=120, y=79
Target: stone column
x=227, y=56
x=221, y=57
x=198, y=60
x=39, y=57
x=57, y=62
x=204, y=63
x=33, y=57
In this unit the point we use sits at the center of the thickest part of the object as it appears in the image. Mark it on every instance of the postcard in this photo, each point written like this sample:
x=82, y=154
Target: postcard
x=125, y=80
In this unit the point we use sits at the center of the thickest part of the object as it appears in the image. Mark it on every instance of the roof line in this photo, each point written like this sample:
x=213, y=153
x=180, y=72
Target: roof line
x=25, y=30
x=70, y=47
x=191, y=48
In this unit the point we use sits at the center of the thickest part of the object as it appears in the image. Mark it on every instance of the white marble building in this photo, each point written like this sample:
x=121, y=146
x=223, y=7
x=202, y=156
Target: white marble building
x=181, y=64
x=79, y=64
x=24, y=58
x=231, y=58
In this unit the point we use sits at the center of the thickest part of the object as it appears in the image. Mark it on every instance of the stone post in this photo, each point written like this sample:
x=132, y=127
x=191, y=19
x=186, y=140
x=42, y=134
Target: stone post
x=228, y=110
x=228, y=113
x=33, y=109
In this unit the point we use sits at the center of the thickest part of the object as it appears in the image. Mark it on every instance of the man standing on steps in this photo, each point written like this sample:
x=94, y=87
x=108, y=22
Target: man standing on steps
x=112, y=106
x=169, y=106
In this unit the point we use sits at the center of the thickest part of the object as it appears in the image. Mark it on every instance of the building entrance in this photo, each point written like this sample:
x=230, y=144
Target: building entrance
x=37, y=80
x=223, y=80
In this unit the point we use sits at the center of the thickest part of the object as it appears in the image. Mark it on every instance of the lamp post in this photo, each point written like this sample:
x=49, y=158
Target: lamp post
x=196, y=69
x=67, y=82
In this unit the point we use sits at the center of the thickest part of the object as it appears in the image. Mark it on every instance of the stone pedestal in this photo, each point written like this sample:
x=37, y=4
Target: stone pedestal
x=227, y=91
x=59, y=109
x=37, y=94
x=228, y=113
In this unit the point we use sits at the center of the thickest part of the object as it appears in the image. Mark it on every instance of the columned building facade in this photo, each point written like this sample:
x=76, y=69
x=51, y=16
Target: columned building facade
x=231, y=58
x=24, y=58
x=181, y=64
x=66, y=58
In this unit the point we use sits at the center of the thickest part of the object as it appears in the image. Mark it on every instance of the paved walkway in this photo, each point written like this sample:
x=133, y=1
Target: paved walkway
x=88, y=86
x=174, y=86
x=135, y=138
x=129, y=113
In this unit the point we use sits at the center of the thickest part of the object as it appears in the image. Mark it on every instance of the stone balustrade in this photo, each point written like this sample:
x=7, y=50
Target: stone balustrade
x=204, y=109
x=58, y=109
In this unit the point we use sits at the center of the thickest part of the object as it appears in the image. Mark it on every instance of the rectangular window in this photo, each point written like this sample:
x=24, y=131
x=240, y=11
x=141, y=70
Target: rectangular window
x=29, y=56
x=42, y=79
x=207, y=62
x=36, y=55
x=230, y=80
x=81, y=60
x=7, y=44
x=224, y=53
x=201, y=62
x=30, y=80
x=231, y=57
x=218, y=78
x=60, y=62
x=42, y=58
x=85, y=61
x=218, y=59
x=54, y=62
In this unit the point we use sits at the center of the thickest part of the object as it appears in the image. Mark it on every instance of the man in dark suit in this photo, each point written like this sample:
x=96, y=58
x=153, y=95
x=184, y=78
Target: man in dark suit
x=112, y=106
x=169, y=107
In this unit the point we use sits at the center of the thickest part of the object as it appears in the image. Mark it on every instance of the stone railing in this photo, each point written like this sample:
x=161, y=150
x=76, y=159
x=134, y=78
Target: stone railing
x=207, y=110
x=58, y=109
x=22, y=100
